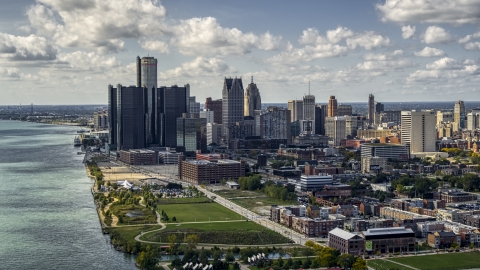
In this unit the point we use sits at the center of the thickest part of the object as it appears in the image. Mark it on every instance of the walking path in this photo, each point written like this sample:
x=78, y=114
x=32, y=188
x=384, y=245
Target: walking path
x=404, y=265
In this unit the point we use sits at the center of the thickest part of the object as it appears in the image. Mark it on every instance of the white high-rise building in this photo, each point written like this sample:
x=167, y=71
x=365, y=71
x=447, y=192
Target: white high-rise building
x=296, y=109
x=209, y=115
x=214, y=133
x=418, y=130
x=252, y=100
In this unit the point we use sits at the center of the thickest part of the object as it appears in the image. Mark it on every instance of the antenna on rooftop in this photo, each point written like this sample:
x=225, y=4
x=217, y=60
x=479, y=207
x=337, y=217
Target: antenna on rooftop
x=252, y=79
x=309, y=88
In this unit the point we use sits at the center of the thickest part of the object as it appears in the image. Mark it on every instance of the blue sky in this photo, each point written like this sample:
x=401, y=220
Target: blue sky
x=67, y=52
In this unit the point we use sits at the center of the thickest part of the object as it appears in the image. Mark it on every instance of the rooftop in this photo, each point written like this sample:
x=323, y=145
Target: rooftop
x=387, y=231
x=342, y=234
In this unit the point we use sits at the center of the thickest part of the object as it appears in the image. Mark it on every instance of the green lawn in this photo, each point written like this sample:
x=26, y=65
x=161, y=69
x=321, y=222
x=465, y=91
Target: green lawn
x=251, y=199
x=129, y=232
x=198, y=212
x=457, y=260
x=182, y=200
x=239, y=233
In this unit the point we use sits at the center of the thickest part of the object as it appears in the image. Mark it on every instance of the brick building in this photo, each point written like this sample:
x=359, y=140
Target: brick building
x=389, y=240
x=138, y=157
x=207, y=172
x=346, y=242
x=443, y=239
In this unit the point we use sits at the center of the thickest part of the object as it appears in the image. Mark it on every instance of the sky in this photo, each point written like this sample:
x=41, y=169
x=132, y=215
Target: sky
x=69, y=51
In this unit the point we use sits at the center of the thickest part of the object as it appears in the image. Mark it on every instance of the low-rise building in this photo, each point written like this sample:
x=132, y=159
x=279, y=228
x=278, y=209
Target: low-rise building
x=207, y=172
x=347, y=210
x=389, y=240
x=138, y=157
x=442, y=239
x=346, y=242
x=454, y=195
x=359, y=225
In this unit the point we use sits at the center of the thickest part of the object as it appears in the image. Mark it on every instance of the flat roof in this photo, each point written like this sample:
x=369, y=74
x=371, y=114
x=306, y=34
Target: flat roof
x=342, y=234
x=387, y=231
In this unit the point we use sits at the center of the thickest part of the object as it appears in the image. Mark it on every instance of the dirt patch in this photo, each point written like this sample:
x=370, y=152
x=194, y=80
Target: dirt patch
x=262, y=210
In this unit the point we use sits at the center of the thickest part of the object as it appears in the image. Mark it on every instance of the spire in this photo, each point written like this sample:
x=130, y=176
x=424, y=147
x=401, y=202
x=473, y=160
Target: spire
x=309, y=88
x=252, y=79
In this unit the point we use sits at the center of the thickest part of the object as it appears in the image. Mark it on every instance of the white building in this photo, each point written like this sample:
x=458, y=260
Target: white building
x=373, y=164
x=418, y=130
x=214, y=133
x=209, y=115
x=313, y=182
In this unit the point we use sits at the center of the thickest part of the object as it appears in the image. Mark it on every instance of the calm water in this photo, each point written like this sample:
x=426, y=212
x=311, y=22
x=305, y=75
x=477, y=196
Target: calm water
x=47, y=215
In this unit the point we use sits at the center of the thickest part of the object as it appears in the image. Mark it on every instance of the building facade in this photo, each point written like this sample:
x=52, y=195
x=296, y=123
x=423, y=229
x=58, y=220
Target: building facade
x=418, y=130
x=332, y=107
x=216, y=107
x=252, y=100
x=232, y=102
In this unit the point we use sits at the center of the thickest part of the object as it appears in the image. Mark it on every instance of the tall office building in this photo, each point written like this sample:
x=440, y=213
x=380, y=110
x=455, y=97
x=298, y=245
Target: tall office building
x=418, y=130
x=193, y=105
x=473, y=119
x=320, y=114
x=273, y=123
x=343, y=110
x=296, y=109
x=126, y=108
x=171, y=105
x=232, y=101
x=192, y=133
x=252, y=99
x=309, y=107
x=342, y=127
x=147, y=77
x=371, y=109
x=459, y=114
x=332, y=107
x=216, y=107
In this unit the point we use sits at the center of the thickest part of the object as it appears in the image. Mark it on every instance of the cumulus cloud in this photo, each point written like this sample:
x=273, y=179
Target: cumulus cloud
x=429, y=52
x=430, y=11
x=474, y=46
x=97, y=24
x=469, y=37
x=29, y=48
x=86, y=61
x=339, y=34
x=10, y=73
x=200, y=66
x=408, y=31
x=385, y=62
x=436, y=34
x=368, y=41
x=205, y=36
x=154, y=46
x=446, y=70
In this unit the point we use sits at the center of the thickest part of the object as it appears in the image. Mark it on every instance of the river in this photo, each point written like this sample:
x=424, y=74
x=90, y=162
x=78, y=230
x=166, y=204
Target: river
x=47, y=215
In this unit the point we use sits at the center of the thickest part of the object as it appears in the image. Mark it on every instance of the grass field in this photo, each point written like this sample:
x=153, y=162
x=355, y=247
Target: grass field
x=450, y=261
x=251, y=199
x=183, y=200
x=194, y=212
x=239, y=233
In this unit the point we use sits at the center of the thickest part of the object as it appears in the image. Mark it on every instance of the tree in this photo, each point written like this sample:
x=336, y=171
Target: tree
x=229, y=257
x=346, y=260
x=360, y=264
x=172, y=243
x=236, y=266
x=192, y=241
x=147, y=259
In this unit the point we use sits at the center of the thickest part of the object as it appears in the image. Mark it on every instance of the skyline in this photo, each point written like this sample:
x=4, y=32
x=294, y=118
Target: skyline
x=56, y=52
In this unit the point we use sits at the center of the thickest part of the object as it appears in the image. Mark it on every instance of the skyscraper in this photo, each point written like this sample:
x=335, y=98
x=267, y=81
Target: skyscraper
x=232, y=101
x=252, y=99
x=371, y=109
x=126, y=108
x=332, y=107
x=170, y=106
x=418, y=130
x=320, y=114
x=216, y=107
x=296, y=110
x=192, y=133
x=459, y=114
x=309, y=107
x=147, y=77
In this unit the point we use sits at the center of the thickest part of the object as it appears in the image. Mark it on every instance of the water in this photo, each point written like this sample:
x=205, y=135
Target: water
x=47, y=215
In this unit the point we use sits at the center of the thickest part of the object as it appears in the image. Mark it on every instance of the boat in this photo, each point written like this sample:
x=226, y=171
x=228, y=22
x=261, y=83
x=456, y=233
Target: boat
x=76, y=141
x=82, y=130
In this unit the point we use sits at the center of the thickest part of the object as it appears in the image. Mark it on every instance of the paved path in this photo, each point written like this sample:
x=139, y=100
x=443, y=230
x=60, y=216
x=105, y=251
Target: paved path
x=404, y=265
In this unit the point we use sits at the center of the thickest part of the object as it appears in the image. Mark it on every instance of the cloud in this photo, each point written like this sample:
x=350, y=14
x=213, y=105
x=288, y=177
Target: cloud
x=408, y=31
x=430, y=11
x=29, y=48
x=200, y=66
x=97, y=24
x=86, y=61
x=339, y=34
x=429, y=52
x=309, y=53
x=444, y=63
x=436, y=34
x=368, y=41
x=385, y=62
x=473, y=46
x=446, y=70
x=10, y=73
x=205, y=36
x=469, y=37
x=154, y=46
